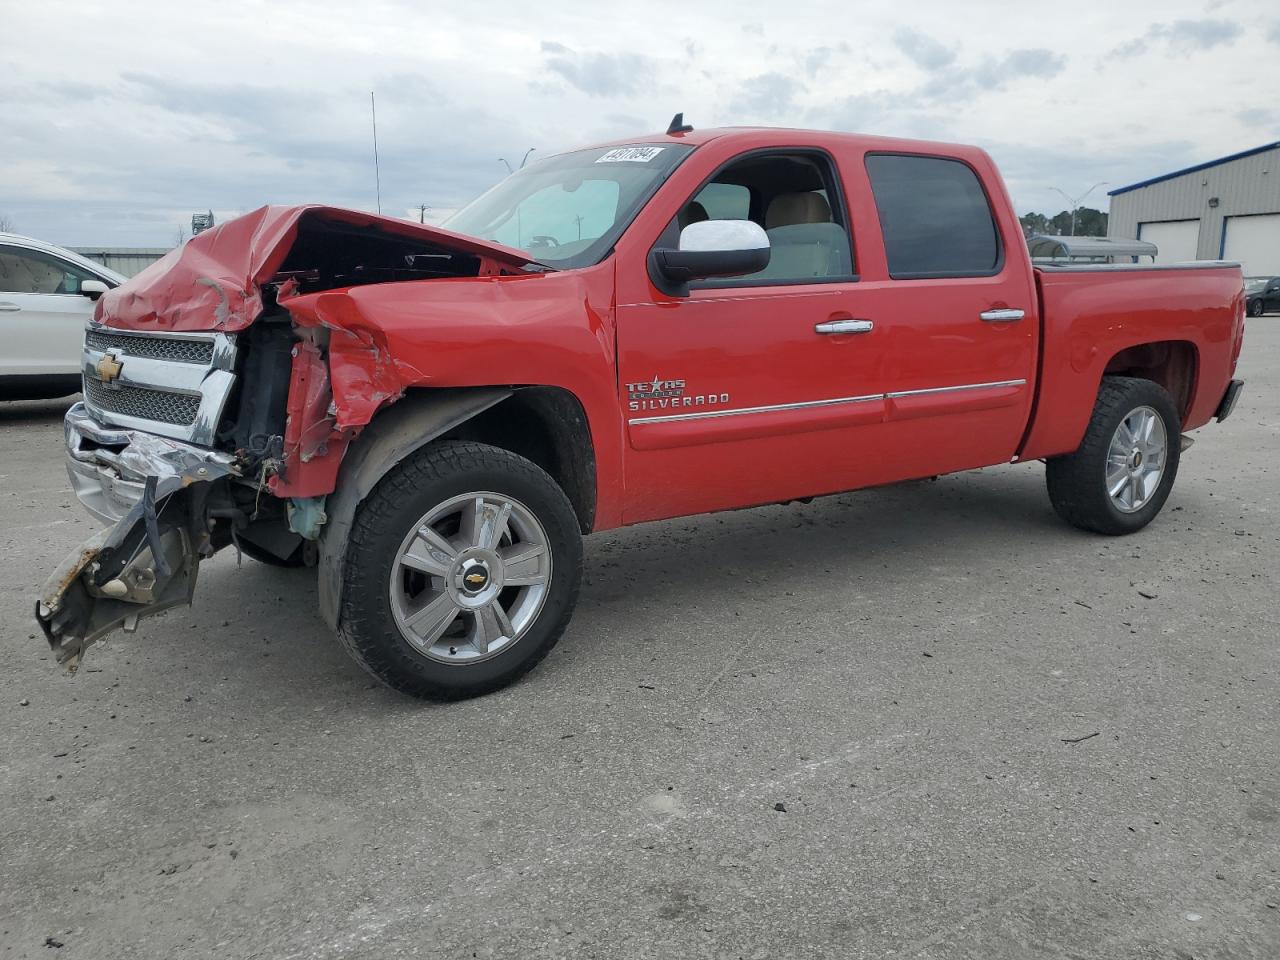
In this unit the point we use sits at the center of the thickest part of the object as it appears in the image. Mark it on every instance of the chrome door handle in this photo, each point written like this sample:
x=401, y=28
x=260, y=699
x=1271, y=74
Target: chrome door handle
x=1003, y=315
x=8, y=307
x=844, y=326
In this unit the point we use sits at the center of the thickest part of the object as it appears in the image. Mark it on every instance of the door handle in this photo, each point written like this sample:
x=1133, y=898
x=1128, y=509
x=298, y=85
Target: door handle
x=8, y=306
x=1002, y=315
x=844, y=326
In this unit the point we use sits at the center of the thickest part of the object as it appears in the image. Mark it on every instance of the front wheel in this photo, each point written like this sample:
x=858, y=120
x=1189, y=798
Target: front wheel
x=461, y=573
x=1255, y=308
x=1121, y=475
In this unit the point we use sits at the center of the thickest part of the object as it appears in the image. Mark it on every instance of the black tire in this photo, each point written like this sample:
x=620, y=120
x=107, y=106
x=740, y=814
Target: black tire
x=1255, y=308
x=1077, y=483
x=432, y=476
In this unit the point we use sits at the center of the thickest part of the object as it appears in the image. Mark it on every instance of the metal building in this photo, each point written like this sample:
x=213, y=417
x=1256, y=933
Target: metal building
x=126, y=260
x=1226, y=209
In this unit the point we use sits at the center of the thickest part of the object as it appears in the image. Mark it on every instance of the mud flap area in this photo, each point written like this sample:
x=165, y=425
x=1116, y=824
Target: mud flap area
x=144, y=565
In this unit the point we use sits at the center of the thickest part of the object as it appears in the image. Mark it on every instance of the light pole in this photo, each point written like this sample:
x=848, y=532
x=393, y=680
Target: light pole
x=522, y=162
x=1075, y=203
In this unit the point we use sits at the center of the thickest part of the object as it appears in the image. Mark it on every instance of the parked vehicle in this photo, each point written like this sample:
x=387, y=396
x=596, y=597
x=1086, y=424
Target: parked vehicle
x=665, y=326
x=47, y=296
x=1262, y=295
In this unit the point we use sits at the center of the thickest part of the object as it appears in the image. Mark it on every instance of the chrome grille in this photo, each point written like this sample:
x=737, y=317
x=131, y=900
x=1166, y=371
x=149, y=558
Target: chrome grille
x=173, y=385
x=156, y=348
x=179, y=409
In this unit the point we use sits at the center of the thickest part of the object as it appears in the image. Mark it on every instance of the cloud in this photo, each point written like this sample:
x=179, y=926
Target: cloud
x=599, y=74
x=129, y=125
x=1259, y=117
x=1192, y=36
x=923, y=50
x=818, y=58
x=767, y=96
x=1031, y=172
x=994, y=74
x=1183, y=37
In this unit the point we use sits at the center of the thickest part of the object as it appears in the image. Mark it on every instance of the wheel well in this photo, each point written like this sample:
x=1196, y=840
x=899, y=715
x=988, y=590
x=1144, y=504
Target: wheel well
x=548, y=426
x=1171, y=363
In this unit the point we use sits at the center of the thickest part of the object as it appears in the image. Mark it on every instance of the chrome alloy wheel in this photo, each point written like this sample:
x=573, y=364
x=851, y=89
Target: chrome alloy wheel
x=1136, y=459
x=471, y=577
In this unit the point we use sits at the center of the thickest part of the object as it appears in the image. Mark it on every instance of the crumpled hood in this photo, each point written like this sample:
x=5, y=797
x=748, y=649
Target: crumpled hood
x=214, y=281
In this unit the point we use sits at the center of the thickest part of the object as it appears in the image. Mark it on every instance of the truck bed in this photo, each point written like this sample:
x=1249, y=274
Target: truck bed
x=1181, y=325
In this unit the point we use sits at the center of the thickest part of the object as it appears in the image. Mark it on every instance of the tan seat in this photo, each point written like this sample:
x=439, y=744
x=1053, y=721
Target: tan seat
x=788, y=209
x=803, y=241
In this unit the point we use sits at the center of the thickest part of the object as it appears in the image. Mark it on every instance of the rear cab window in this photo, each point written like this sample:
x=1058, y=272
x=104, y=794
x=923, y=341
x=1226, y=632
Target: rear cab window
x=935, y=217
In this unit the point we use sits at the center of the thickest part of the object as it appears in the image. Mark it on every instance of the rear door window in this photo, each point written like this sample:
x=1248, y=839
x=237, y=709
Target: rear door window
x=934, y=216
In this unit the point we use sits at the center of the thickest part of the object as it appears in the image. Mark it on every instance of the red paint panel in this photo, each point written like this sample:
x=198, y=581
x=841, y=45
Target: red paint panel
x=313, y=445
x=1091, y=316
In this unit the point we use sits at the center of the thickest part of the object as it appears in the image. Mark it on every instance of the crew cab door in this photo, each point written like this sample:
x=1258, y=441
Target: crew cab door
x=751, y=389
x=948, y=283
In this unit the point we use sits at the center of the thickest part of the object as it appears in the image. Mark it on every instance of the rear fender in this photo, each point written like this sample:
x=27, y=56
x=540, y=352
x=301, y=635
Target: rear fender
x=393, y=435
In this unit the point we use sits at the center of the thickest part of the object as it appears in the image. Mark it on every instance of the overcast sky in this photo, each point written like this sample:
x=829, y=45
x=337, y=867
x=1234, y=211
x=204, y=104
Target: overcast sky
x=119, y=120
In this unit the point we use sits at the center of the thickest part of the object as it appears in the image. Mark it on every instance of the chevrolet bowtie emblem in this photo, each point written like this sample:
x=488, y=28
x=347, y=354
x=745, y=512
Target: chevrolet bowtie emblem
x=108, y=368
x=476, y=578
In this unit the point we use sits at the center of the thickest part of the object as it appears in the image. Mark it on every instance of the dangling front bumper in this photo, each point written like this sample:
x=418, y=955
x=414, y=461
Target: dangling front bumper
x=155, y=492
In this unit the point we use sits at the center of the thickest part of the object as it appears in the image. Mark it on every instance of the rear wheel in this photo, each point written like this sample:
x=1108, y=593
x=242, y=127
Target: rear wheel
x=1121, y=475
x=462, y=571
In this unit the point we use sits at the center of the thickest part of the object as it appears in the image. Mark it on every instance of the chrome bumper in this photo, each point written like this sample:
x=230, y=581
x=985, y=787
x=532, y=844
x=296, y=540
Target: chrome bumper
x=109, y=466
x=152, y=490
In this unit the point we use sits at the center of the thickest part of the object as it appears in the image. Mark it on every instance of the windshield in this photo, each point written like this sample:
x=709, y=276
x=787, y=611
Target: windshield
x=1254, y=284
x=568, y=210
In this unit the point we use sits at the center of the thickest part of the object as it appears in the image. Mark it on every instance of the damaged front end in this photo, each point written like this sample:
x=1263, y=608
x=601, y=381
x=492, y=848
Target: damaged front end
x=177, y=509
x=222, y=386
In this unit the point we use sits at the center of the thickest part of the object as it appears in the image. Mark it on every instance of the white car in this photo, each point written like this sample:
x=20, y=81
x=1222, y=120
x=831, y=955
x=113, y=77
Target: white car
x=46, y=298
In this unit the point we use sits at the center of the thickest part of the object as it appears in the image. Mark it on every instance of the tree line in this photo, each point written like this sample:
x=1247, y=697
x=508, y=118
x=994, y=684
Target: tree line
x=1089, y=223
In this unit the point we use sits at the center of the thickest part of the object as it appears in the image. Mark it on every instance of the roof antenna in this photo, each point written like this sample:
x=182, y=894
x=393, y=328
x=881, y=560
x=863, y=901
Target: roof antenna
x=678, y=126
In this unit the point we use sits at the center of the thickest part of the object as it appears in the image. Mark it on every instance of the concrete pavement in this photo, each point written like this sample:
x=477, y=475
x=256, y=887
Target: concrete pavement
x=842, y=729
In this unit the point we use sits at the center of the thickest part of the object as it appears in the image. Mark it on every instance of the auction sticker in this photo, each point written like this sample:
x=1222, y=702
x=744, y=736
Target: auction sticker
x=629, y=155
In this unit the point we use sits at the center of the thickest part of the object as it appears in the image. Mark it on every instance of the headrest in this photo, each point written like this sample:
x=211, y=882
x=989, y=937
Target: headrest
x=792, y=208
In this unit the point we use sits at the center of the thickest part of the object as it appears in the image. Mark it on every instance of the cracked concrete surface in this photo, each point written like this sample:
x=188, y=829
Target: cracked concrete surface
x=898, y=668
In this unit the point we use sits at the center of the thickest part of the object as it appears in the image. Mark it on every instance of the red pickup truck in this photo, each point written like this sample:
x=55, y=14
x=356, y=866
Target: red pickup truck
x=669, y=325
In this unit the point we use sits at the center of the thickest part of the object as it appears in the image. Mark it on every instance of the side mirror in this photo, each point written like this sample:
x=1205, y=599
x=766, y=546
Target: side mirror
x=93, y=289
x=711, y=248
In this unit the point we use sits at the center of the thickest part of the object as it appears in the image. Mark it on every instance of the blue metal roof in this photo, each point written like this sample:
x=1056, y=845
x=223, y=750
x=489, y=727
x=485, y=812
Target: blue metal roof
x=1198, y=166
